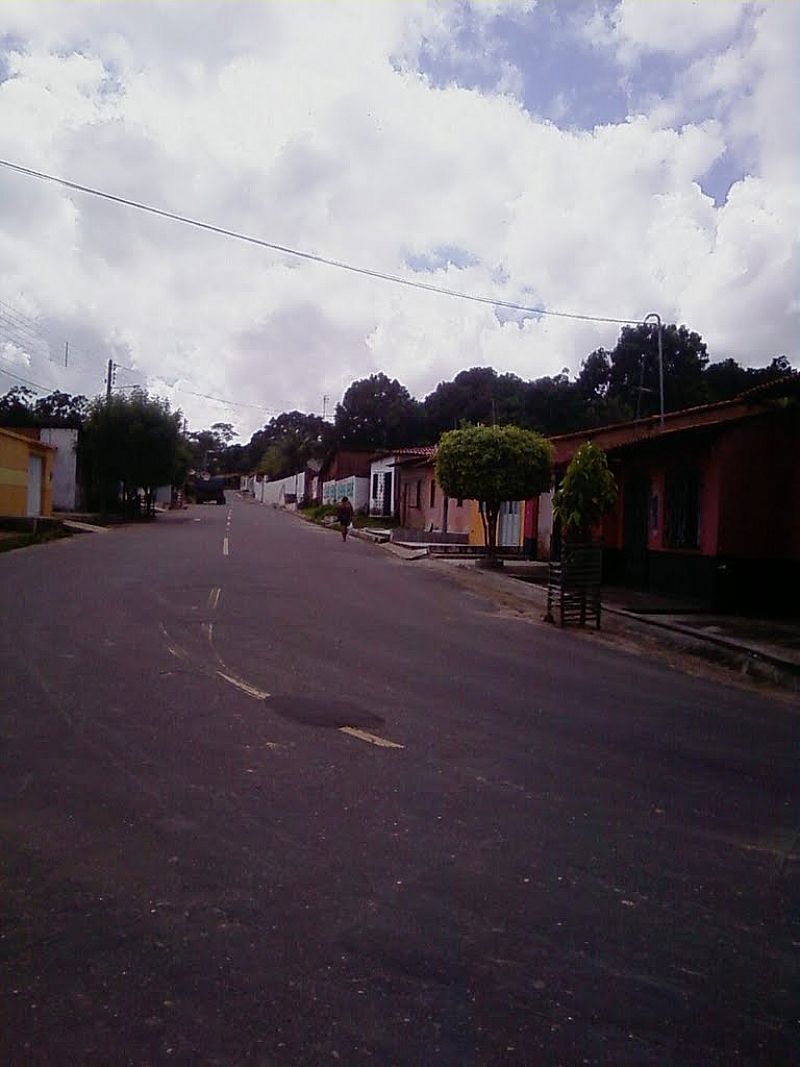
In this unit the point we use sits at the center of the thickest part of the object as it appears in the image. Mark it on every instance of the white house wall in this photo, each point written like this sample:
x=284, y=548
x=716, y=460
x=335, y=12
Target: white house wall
x=65, y=466
x=381, y=467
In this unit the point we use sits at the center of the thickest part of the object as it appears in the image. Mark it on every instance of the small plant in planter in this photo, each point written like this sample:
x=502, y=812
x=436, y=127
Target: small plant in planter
x=588, y=491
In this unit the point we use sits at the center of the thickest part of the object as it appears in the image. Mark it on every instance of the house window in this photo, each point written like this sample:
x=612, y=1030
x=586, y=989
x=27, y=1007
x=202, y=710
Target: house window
x=374, y=486
x=433, y=491
x=417, y=494
x=459, y=503
x=682, y=492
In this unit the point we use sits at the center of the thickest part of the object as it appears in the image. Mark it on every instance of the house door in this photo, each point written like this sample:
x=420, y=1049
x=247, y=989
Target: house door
x=634, y=545
x=388, y=498
x=34, y=485
x=508, y=526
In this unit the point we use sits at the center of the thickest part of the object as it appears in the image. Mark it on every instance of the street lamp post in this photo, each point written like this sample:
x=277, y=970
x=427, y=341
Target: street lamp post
x=657, y=318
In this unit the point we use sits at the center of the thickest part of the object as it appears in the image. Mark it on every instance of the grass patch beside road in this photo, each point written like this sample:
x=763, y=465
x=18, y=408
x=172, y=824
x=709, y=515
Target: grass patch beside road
x=11, y=539
x=325, y=515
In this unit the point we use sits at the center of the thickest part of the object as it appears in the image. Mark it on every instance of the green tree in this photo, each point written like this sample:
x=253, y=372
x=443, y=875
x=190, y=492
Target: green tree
x=61, y=409
x=378, y=412
x=16, y=408
x=274, y=463
x=587, y=492
x=129, y=443
x=493, y=464
x=284, y=446
x=724, y=380
x=634, y=376
x=476, y=396
x=554, y=405
x=224, y=431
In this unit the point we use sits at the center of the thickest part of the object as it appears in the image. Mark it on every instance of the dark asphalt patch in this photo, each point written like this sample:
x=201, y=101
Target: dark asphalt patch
x=315, y=712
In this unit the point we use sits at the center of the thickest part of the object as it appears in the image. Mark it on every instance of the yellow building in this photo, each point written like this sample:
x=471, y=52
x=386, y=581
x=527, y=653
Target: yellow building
x=26, y=475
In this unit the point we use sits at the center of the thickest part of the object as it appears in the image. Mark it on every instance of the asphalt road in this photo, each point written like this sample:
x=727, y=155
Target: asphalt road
x=272, y=799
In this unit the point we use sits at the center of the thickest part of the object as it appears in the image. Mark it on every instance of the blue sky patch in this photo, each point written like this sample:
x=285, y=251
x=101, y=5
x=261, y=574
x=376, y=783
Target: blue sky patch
x=442, y=256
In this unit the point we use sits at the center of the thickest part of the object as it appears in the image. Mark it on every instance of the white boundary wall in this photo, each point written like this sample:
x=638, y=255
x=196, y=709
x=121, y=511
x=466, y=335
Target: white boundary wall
x=276, y=492
x=65, y=482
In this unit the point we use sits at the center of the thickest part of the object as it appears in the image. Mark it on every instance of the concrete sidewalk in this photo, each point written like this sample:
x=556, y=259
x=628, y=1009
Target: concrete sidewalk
x=766, y=650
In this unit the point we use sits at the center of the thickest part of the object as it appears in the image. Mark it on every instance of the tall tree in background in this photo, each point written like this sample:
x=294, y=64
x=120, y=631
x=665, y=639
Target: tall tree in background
x=288, y=443
x=478, y=396
x=61, y=409
x=554, y=405
x=635, y=369
x=727, y=379
x=16, y=408
x=19, y=407
x=378, y=412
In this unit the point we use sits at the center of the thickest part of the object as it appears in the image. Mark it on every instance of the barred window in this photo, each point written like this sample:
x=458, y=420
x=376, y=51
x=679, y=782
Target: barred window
x=682, y=508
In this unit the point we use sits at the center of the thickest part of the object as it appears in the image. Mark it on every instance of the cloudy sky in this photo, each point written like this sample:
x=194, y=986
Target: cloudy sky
x=605, y=159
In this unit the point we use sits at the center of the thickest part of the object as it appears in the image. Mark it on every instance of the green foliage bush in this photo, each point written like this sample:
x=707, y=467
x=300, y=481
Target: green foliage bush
x=129, y=443
x=587, y=492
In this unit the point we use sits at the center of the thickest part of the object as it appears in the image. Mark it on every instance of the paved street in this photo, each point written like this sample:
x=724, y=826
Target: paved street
x=272, y=799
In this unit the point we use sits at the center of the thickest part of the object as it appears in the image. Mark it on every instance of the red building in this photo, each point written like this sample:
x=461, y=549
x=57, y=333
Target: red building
x=709, y=502
x=345, y=463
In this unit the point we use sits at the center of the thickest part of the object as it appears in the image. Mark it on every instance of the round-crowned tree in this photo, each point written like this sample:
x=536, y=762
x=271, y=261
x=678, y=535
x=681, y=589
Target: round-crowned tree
x=492, y=464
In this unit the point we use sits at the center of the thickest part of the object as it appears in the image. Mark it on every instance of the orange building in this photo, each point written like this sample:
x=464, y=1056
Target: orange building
x=26, y=475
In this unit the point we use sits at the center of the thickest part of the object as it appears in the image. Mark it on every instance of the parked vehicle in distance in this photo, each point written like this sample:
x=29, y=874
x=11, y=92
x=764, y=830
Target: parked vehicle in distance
x=209, y=490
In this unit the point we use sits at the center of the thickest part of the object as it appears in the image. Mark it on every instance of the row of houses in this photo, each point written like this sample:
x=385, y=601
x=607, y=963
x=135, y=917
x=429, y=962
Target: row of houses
x=708, y=504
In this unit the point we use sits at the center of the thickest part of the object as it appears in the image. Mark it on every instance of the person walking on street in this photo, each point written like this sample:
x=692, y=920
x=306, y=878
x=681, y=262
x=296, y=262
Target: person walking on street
x=344, y=516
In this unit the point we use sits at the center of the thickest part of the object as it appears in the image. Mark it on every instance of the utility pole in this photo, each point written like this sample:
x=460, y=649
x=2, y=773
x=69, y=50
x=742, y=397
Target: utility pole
x=66, y=353
x=325, y=406
x=659, y=327
x=109, y=379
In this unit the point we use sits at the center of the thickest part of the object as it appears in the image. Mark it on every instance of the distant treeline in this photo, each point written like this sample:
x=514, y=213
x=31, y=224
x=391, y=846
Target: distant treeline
x=379, y=412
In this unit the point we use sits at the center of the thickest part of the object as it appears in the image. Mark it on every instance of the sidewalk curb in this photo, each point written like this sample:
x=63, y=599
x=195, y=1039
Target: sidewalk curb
x=83, y=527
x=783, y=675
x=711, y=639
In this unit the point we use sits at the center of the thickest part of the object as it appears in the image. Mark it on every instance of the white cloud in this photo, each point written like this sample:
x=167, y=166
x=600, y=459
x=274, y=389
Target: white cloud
x=309, y=125
x=678, y=27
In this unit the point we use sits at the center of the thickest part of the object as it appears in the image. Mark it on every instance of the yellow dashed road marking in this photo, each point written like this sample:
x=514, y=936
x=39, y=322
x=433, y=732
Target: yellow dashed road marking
x=371, y=739
x=251, y=690
x=174, y=650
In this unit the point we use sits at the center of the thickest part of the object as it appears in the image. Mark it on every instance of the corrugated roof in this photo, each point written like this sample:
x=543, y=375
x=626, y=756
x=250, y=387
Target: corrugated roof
x=419, y=452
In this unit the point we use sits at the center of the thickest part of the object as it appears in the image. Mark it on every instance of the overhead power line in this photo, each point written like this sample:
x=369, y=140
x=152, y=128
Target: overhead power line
x=41, y=388
x=230, y=403
x=24, y=330
x=285, y=250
